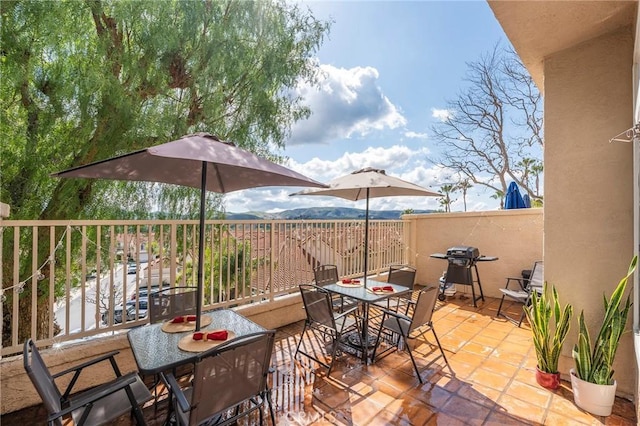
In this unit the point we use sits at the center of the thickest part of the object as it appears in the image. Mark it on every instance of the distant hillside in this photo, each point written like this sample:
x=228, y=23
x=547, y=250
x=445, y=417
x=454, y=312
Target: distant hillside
x=322, y=213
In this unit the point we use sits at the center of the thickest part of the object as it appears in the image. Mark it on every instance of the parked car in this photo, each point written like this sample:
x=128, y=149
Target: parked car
x=144, y=290
x=130, y=311
x=142, y=309
x=132, y=268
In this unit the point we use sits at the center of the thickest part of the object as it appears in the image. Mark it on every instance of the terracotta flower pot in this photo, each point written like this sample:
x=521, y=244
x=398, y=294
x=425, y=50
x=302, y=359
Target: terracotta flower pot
x=548, y=380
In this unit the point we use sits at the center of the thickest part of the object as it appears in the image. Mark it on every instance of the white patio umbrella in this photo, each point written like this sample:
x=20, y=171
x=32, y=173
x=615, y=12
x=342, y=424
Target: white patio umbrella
x=365, y=184
x=199, y=161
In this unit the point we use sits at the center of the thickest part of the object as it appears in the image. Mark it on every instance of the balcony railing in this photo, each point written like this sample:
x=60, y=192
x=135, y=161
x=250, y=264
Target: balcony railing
x=65, y=280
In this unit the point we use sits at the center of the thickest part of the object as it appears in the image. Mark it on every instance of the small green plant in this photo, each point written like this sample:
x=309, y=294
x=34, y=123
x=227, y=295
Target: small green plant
x=594, y=363
x=549, y=325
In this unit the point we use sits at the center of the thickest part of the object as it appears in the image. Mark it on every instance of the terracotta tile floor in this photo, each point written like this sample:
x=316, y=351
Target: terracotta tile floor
x=491, y=381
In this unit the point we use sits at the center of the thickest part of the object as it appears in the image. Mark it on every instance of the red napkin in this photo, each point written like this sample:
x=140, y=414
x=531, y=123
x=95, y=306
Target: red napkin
x=385, y=288
x=214, y=335
x=187, y=318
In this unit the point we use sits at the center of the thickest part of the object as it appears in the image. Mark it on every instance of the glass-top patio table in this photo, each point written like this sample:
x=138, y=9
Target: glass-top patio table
x=363, y=295
x=156, y=351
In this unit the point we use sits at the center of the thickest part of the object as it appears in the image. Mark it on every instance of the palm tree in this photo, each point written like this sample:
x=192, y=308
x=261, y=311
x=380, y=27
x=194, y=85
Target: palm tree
x=536, y=170
x=445, y=200
x=464, y=185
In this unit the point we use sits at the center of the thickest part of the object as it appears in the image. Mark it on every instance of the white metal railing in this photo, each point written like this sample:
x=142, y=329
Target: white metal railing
x=64, y=280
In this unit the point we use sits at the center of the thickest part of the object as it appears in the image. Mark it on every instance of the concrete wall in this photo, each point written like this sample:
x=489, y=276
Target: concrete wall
x=17, y=392
x=589, y=182
x=514, y=236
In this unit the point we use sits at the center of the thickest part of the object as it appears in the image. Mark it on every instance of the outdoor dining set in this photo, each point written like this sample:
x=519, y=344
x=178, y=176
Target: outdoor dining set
x=224, y=349
x=340, y=312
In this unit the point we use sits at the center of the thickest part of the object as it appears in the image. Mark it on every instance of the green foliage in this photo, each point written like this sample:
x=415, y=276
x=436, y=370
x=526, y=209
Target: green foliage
x=445, y=201
x=594, y=362
x=549, y=325
x=229, y=265
x=84, y=81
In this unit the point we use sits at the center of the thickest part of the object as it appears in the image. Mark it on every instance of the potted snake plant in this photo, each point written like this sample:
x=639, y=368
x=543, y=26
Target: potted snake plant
x=594, y=388
x=549, y=325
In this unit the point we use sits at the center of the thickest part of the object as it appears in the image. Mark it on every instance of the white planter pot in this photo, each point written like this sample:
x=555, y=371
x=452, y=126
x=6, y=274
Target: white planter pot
x=596, y=399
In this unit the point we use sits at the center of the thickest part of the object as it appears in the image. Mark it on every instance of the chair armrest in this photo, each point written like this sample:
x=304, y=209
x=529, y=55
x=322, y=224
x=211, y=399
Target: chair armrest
x=519, y=280
x=176, y=390
x=96, y=394
x=395, y=314
x=345, y=313
x=78, y=369
x=87, y=364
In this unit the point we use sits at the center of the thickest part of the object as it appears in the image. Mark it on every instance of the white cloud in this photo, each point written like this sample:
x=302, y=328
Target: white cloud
x=398, y=160
x=441, y=114
x=415, y=135
x=347, y=102
x=393, y=159
x=401, y=161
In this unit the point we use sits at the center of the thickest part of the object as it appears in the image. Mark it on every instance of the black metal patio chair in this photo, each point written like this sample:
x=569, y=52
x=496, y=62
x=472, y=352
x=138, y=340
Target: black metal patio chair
x=229, y=382
x=411, y=327
x=328, y=274
x=522, y=293
x=97, y=406
x=323, y=322
x=171, y=302
x=405, y=276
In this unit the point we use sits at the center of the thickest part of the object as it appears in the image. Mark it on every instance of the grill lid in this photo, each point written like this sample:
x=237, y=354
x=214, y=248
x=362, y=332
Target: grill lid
x=466, y=252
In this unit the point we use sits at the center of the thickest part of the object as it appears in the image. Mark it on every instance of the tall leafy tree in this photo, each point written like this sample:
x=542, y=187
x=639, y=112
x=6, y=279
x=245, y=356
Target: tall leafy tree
x=83, y=81
x=86, y=80
x=493, y=131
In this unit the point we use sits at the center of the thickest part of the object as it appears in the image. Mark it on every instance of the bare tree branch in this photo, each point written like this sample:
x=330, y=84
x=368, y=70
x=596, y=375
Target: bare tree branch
x=494, y=132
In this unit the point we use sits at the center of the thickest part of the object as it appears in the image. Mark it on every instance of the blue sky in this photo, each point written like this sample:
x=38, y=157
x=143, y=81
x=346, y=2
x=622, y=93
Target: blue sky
x=388, y=69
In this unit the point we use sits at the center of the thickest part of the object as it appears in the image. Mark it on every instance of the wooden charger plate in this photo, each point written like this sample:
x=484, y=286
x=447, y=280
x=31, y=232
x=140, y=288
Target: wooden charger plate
x=187, y=343
x=181, y=327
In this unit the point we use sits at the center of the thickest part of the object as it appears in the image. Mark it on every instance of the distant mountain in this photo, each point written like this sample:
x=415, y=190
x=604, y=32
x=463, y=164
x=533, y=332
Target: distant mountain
x=322, y=213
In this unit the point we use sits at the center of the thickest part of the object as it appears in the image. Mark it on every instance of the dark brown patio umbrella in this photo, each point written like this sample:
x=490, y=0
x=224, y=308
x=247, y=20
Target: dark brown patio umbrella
x=364, y=184
x=199, y=161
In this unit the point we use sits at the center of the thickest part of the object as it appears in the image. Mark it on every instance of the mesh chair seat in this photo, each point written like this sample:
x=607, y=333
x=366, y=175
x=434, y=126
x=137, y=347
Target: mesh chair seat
x=167, y=304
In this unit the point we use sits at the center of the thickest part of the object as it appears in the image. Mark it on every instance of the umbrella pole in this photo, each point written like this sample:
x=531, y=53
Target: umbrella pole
x=366, y=241
x=199, y=290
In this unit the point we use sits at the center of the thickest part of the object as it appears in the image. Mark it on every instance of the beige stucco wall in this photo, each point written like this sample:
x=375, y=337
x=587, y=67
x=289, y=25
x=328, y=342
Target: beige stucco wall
x=588, y=181
x=514, y=236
